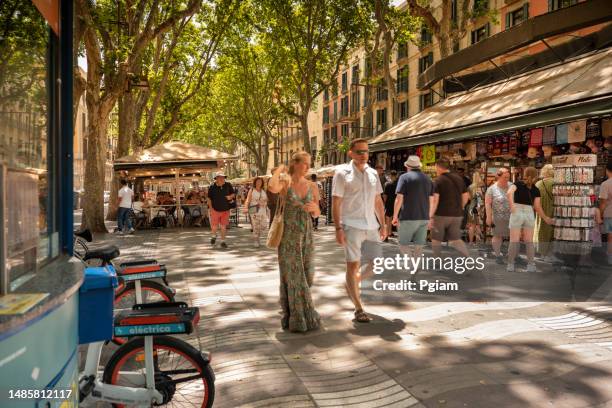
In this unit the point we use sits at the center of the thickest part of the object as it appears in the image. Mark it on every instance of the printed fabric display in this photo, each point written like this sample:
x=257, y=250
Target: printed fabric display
x=536, y=137
x=562, y=133
x=548, y=135
x=577, y=132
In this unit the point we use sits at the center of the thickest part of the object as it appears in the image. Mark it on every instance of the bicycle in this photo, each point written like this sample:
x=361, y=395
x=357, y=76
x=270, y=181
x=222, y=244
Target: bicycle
x=128, y=272
x=154, y=369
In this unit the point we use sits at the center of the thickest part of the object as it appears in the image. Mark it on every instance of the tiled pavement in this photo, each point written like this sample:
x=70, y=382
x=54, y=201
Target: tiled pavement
x=458, y=354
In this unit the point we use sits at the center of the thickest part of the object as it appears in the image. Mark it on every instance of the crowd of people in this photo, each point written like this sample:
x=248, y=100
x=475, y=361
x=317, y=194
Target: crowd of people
x=366, y=208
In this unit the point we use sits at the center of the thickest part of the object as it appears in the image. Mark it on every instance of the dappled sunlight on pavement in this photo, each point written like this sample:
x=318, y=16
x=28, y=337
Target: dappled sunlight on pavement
x=452, y=354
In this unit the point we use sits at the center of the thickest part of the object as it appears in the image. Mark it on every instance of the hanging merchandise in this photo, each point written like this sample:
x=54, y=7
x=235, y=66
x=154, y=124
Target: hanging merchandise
x=536, y=137
x=576, y=131
x=606, y=127
x=514, y=142
x=548, y=135
x=429, y=154
x=547, y=150
x=562, y=133
x=505, y=144
x=593, y=128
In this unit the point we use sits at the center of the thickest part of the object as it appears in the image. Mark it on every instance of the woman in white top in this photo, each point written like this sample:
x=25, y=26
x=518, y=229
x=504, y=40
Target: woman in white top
x=256, y=205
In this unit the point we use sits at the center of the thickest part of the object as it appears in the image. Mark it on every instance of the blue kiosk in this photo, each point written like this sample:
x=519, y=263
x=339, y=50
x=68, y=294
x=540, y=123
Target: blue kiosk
x=39, y=285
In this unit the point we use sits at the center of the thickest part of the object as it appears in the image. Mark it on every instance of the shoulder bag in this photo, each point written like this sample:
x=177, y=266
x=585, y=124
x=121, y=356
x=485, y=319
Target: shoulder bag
x=275, y=234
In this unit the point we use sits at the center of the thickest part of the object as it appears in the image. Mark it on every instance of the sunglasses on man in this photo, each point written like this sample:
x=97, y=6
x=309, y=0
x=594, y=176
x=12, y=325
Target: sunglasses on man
x=362, y=151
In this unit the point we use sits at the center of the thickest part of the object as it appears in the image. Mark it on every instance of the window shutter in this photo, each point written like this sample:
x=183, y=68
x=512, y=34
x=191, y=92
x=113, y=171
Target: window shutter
x=508, y=20
x=430, y=58
x=525, y=11
x=474, y=37
x=488, y=30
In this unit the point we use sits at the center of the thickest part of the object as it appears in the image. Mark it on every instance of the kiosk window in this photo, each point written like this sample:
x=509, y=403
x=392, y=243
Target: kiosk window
x=30, y=238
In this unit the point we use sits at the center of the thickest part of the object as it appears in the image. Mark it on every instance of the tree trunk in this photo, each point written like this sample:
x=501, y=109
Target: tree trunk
x=93, y=200
x=127, y=106
x=305, y=132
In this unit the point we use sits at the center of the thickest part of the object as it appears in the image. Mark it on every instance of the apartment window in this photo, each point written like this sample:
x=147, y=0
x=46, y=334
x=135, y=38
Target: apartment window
x=355, y=101
x=454, y=11
x=381, y=120
x=402, y=50
x=382, y=93
x=344, y=131
x=426, y=100
x=334, y=134
x=480, y=33
x=402, y=79
x=425, y=36
x=355, y=75
x=355, y=129
x=425, y=62
x=559, y=4
x=326, y=115
x=326, y=95
x=345, y=82
x=368, y=123
x=344, y=106
x=402, y=110
x=326, y=137
x=517, y=16
x=335, y=117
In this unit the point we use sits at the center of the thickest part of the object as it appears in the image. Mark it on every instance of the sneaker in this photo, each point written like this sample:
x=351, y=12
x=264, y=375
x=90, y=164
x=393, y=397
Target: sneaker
x=499, y=260
x=510, y=267
x=531, y=268
x=223, y=245
x=131, y=231
x=213, y=240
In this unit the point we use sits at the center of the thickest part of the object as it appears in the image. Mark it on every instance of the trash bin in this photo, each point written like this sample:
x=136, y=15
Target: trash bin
x=96, y=297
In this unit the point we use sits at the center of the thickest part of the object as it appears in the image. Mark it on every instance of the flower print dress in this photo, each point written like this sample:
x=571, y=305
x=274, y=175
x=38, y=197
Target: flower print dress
x=295, y=259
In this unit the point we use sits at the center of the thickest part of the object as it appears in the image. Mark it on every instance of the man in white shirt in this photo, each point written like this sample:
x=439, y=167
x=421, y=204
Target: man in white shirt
x=126, y=195
x=359, y=215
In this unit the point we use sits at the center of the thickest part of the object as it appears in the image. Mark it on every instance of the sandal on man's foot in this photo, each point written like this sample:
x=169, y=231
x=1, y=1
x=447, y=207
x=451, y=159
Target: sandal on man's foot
x=362, y=317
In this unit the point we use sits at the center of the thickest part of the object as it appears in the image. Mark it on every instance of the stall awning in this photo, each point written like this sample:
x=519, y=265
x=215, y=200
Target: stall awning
x=573, y=90
x=170, y=158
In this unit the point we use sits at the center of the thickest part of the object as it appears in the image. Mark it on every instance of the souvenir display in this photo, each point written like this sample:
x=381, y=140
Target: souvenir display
x=574, y=195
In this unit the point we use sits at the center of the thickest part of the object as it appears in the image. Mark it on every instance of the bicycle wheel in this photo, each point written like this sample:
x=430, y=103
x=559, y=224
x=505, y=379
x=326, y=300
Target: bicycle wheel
x=182, y=375
x=152, y=292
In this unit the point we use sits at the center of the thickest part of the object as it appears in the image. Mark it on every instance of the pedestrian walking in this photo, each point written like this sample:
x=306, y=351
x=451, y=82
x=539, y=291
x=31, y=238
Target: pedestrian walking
x=447, y=209
x=474, y=206
x=543, y=233
x=126, y=196
x=315, y=220
x=497, y=209
x=220, y=197
x=256, y=205
x=524, y=198
x=296, y=249
x=389, y=201
x=605, y=206
x=412, y=218
x=359, y=214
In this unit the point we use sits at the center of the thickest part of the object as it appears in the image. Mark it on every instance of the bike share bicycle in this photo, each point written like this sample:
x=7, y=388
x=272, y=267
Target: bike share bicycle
x=152, y=368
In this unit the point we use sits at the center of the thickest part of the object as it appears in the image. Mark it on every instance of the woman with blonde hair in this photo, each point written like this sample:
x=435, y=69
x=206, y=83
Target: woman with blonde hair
x=543, y=233
x=295, y=252
x=524, y=198
x=474, y=208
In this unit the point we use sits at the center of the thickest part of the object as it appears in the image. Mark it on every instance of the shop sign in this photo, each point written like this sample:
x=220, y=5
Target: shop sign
x=575, y=160
x=429, y=154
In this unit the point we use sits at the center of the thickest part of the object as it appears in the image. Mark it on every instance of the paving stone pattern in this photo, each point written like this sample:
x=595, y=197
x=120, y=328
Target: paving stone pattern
x=462, y=354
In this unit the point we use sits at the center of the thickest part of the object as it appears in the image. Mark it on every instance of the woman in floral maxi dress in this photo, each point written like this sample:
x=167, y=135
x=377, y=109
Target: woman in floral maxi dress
x=296, y=250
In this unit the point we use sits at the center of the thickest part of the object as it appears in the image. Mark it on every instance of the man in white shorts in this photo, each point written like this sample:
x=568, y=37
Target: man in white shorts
x=359, y=214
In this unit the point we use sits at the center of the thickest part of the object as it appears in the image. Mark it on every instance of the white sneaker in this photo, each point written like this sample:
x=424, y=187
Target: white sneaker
x=531, y=268
x=131, y=231
x=510, y=267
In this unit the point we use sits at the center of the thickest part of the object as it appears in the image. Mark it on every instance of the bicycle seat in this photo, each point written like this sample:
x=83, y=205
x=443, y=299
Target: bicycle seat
x=105, y=253
x=85, y=234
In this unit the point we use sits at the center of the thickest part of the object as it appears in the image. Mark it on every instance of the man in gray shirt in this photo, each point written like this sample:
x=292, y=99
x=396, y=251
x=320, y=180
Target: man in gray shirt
x=413, y=216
